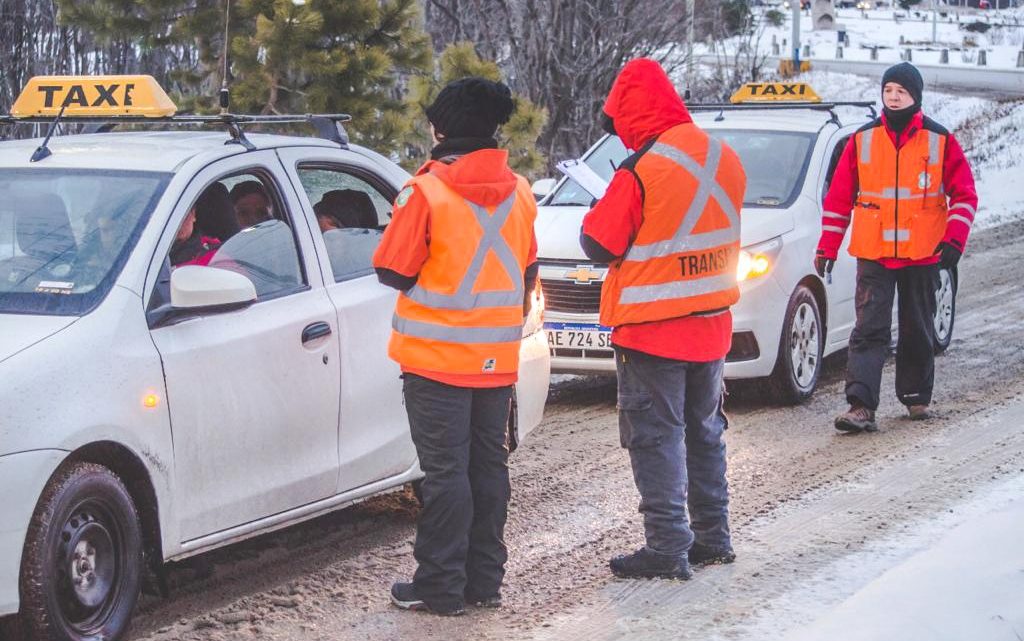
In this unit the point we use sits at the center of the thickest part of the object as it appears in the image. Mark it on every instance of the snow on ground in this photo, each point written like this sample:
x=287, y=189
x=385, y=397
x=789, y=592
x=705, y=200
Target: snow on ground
x=955, y=576
x=881, y=28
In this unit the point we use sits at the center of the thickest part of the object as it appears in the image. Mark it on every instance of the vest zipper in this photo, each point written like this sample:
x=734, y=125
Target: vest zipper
x=896, y=234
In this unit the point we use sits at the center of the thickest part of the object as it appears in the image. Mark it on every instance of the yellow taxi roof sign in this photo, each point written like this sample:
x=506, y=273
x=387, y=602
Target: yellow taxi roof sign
x=775, y=92
x=132, y=96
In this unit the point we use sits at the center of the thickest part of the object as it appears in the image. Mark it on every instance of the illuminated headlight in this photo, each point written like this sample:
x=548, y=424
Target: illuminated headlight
x=757, y=260
x=535, y=319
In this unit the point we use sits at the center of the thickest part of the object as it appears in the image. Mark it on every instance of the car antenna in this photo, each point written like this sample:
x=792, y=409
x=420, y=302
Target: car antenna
x=225, y=93
x=234, y=128
x=42, y=151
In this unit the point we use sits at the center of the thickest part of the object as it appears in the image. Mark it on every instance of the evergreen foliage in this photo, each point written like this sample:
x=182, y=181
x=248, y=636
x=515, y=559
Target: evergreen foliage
x=519, y=135
x=328, y=56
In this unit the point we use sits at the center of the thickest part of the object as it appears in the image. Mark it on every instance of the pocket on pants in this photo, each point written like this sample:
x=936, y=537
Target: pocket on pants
x=636, y=421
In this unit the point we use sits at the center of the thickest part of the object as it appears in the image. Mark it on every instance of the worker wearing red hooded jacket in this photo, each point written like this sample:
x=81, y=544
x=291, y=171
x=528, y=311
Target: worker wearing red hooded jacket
x=905, y=183
x=669, y=228
x=462, y=251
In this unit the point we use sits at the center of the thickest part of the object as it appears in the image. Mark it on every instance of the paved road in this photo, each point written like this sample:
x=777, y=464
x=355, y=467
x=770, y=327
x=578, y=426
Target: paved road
x=804, y=500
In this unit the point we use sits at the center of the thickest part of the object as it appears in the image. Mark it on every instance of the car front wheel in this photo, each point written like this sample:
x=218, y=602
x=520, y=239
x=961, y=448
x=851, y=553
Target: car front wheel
x=799, y=362
x=83, y=559
x=945, y=309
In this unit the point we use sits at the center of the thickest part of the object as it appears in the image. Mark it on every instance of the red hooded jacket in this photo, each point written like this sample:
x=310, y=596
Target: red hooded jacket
x=643, y=104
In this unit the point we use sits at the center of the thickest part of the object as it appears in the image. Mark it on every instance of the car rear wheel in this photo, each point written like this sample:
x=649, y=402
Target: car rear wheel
x=798, y=365
x=945, y=309
x=83, y=559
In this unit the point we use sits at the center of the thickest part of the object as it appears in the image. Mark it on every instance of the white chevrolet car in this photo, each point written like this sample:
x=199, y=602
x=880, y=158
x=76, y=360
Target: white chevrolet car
x=787, y=318
x=150, y=412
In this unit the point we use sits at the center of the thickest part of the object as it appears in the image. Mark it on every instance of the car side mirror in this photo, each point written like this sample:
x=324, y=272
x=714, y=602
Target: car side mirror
x=195, y=288
x=543, y=187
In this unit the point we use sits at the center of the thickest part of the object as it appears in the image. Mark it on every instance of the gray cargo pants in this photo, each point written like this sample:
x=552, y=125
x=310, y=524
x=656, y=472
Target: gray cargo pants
x=672, y=423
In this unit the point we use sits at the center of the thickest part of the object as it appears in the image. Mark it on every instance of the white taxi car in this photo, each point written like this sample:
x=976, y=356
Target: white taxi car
x=787, y=318
x=156, y=402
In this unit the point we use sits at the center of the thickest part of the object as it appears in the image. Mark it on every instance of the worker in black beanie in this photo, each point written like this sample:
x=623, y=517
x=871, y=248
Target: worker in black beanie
x=466, y=115
x=462, y=251
x=909, y=78
x=905, y=187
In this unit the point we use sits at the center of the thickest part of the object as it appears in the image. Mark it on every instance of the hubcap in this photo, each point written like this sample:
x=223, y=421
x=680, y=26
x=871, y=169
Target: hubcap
x=804, y=345
x=89, y=566
x=944, y=306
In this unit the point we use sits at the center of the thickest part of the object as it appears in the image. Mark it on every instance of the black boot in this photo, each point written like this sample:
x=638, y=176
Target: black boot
x=645, y=563
x=705, y=555
x=404, y=596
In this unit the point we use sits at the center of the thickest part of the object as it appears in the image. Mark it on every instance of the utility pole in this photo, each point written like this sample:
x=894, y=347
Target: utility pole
x=795, y=5
x=689, y=47
x=935, y=19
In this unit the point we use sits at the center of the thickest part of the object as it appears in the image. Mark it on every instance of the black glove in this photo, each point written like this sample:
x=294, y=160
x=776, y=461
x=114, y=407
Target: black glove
x=823, y=265
x=949, y=254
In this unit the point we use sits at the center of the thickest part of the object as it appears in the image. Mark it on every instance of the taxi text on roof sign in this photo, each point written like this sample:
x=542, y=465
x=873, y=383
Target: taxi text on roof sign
x=132, y=96
x=775, y=92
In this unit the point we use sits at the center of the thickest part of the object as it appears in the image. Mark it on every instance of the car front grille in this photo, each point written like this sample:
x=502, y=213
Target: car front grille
x=567, y=296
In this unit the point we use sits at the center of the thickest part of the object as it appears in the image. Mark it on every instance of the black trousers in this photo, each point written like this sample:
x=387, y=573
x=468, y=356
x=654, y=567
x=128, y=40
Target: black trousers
x=461, y=437
x=869, y=342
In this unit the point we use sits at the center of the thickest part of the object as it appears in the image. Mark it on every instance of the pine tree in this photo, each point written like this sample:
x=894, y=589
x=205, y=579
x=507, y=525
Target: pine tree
x=286, y=56
x=519, y=135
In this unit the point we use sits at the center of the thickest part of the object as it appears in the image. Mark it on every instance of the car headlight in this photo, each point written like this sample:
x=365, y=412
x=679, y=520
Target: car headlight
x=535, y=319
x=757, y=260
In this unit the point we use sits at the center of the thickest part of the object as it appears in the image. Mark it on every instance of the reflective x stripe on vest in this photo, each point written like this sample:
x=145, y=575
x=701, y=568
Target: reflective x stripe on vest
x=464, y=298
x=684, y=240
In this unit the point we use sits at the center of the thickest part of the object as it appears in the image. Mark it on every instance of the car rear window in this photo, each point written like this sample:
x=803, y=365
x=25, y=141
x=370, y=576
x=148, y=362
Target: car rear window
x=65, y=234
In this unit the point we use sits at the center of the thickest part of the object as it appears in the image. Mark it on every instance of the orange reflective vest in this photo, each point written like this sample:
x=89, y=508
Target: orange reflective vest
x=464, y=315
x=900, y=211
x=683, y=259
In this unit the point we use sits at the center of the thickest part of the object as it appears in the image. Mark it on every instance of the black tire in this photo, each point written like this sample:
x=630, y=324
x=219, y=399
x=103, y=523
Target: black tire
x=798, y=365
x=945, y=309
x=83, y=560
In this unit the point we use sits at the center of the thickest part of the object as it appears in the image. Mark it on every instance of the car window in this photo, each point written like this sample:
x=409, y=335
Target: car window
x=351, y=213
x=775, y=163
x=65, y=234
x=833, y=162
x=240, y=223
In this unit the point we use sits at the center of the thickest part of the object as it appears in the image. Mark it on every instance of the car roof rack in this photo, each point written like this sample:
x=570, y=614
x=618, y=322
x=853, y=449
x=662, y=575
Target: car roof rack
x=782, y=105
x=327, y=126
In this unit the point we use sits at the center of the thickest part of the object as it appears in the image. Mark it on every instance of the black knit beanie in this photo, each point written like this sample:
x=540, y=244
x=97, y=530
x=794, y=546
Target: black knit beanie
x=471, y=108
x=907, y=76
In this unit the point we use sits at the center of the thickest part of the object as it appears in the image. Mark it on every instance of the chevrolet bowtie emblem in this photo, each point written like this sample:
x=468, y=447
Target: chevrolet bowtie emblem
x=584, y=275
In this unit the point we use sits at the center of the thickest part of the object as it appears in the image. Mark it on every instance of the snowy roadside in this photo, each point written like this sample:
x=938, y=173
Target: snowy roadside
x=892, y=36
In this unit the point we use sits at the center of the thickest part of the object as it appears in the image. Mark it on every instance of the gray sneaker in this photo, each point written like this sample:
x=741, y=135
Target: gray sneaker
x=857, y=419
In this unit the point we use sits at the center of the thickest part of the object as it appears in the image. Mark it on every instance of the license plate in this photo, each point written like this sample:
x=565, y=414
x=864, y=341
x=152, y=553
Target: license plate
x=579, y=335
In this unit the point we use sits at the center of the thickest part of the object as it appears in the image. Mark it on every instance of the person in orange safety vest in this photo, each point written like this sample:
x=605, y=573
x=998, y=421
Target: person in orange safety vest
x=906, y=184
x=462, y=251
x=669, y=228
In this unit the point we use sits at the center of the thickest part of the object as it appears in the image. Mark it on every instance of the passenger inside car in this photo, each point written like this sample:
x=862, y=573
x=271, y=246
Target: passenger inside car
x=346, y=209
x=195, y=243
x=349, y=224
x=251, y=203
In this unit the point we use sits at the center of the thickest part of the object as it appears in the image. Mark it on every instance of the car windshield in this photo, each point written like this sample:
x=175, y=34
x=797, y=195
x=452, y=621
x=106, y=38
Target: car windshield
x=775, y=163
x=65, y=234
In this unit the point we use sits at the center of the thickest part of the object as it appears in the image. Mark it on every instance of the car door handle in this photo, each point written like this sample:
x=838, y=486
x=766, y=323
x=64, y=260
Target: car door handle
x=315, y=331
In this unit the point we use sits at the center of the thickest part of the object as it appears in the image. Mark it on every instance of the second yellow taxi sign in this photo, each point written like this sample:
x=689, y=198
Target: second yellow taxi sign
x=138, y=96
x=775, y=92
